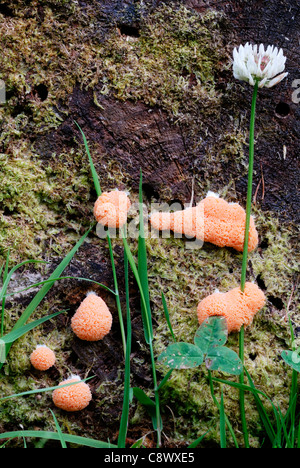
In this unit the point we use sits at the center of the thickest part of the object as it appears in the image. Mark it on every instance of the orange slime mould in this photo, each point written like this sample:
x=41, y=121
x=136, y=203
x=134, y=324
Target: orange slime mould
x=111, y=209
x=42, y=358
x=73, y=397
x=213, y=220
x=92, y=320
x=236, y=306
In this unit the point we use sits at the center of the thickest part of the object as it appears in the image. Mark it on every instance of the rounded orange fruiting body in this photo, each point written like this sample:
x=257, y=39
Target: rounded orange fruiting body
x=236, y=306
x=42, y=358
x=92, y=320
x=213, y=220
x=111, y=209
x=73, y=397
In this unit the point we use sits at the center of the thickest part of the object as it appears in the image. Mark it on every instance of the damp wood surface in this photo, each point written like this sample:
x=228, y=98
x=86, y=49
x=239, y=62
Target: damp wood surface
x=151, y=85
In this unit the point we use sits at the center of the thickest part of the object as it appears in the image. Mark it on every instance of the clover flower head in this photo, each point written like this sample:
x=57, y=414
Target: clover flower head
x=252, y=63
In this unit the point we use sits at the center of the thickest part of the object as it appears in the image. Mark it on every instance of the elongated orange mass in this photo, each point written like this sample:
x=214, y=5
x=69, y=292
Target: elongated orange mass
x=236, y=306
x=213, y=220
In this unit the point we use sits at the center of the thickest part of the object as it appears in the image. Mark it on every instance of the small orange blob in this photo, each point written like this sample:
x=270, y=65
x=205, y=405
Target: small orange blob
x=72, y=397
x=236, y=306
x=42, y=358
x=92, y=320
x=213, y=220
x=111, y=209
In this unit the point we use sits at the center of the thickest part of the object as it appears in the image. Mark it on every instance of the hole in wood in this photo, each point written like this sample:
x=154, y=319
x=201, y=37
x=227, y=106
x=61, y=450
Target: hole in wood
x=6, y=10
x=42, y=91
x=131, y=31
x=276, y=301
x=282, y=109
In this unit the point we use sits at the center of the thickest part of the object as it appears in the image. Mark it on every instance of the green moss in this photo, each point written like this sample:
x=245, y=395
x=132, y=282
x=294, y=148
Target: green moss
x=174, y=46
x=172, y=64
x=37, y=203
x=186, y=276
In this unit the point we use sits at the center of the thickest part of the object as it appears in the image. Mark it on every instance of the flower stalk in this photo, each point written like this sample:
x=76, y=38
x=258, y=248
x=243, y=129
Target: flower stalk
x=249, y=187
x=245, y=253
x=260, y=68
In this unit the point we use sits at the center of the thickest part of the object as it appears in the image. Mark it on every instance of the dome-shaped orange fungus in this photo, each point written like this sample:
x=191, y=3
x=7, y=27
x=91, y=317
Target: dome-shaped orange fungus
x=92, y=320
x=72, y=397
x=42, y=358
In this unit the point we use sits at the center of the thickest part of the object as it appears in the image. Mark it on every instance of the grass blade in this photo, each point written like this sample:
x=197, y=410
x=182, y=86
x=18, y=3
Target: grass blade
x=58, y=279
x=197, y=441
x=111, y=253
x=15, y=334
x=284, y=429
x=260, y=407
x=165, y=379
x=59, y=432
x=145, y=304
x=148, y=334
x=46, y=288
x=167, y=316
x=262, y=412
x=143, y=267
x=41, y=390
x=222, y=422
x=11, y=272
x=3, y=300
x=126, y=397
x=93, y=170
x=211, y=385
x=55, y=436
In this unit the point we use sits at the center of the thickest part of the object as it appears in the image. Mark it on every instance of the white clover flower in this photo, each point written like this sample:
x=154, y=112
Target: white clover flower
x=253, y=63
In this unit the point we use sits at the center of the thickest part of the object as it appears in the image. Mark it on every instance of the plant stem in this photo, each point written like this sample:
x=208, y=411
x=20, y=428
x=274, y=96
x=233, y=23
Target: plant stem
x=249, y=188
x=98, y=189
x=4, y=298
x=118, y=302
x=156, y=396
x=212, y=391
x=126, y=399
x=245, y=254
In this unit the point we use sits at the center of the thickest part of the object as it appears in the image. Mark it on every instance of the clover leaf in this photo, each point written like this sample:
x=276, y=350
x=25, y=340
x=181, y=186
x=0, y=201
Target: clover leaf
x=209, y=347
